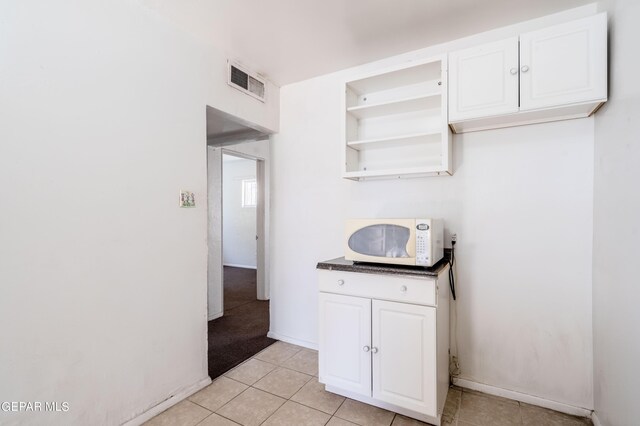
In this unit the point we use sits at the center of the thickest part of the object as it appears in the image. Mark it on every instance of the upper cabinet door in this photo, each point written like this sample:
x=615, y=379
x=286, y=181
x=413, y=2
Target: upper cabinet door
x=483, y=80
x=564, y=64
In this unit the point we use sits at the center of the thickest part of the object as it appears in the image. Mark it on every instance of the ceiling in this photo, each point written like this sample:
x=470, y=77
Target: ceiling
x=292, y=40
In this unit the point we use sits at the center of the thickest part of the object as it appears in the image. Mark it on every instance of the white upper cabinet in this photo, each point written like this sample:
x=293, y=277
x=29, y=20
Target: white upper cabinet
x=484, y=80
x=556, y=73
x=564, y=64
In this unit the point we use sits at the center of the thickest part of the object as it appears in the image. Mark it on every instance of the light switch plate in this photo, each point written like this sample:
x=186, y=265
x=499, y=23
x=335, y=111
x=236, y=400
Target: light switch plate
x=187, y=199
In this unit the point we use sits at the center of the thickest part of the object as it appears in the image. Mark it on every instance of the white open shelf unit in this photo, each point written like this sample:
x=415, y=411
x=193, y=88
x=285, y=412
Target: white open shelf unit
x=395, y=122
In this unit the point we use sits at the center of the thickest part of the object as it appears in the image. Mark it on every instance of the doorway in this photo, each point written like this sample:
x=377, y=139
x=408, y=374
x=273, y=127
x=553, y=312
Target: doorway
x=238, y=287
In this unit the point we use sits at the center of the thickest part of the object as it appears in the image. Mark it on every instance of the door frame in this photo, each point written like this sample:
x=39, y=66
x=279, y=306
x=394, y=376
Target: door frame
x=259, y=152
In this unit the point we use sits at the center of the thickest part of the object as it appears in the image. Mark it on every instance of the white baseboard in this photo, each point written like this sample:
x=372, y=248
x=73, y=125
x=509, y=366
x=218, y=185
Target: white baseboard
x=523, y=397
x=169, y=402
x=237, y=265
x=293, y=341
x=595, y=419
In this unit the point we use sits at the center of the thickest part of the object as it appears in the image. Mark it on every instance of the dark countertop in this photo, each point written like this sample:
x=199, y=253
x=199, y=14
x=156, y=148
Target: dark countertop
x=341, y=264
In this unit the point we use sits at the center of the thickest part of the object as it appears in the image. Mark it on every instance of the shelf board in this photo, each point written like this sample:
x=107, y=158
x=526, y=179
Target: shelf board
x=399, y=106
x=435, y=170
x=405, y=76
x=414, y=138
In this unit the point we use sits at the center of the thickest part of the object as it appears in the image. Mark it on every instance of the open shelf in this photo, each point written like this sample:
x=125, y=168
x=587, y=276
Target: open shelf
x=397, y=78
x=395, y=122
x=434, y=170
x=415, y=138
x=399, y=106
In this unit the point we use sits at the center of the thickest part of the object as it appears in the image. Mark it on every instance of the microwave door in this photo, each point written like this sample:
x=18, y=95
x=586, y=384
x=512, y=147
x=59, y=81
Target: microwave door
x=381, y=240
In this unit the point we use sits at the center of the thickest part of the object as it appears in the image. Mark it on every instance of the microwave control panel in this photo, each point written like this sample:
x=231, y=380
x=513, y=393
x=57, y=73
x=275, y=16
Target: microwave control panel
x=422, y=244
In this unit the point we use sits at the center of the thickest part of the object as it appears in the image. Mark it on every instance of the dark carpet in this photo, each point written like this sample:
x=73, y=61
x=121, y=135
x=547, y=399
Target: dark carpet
x=242, y=331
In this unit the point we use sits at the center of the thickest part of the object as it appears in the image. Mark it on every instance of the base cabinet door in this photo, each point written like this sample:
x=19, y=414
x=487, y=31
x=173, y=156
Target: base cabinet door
x=344, y=342
x=404, y=355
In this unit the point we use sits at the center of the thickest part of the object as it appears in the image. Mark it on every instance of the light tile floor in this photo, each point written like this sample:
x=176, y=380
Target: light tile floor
x=279, y=387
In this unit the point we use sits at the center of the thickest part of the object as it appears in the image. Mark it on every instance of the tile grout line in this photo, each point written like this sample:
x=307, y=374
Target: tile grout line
x=279, y=364
x=240, y=365
x=233, y=421
x=209, y=415
x=201, y=406
x=273, y=394
x=226, y=418
x=334, y=414
x=226, y=403
x=304, y=405
x=269, y=416
x=319, y=411
x=393, y=418
x=279, y=396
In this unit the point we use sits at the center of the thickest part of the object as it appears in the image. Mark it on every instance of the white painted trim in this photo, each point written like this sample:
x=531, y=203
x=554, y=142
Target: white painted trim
x=263, y=172
x=169, y=402
x=293, y=341
x=214, y=316
x=237, y=265
x=523, y=397
x=595, y=419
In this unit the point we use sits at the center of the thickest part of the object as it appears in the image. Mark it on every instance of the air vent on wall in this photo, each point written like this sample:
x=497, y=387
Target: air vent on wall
x=251, y=84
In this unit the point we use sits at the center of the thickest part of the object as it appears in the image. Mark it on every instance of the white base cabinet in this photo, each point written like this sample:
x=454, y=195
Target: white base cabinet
x=384, y=340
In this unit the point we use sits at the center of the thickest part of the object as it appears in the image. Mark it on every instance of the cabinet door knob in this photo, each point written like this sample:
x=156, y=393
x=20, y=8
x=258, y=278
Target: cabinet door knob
x=374, y=350
x=513, y=71
x=403, y=289
x=340, y=282
x=524, y=68
x=366, y=349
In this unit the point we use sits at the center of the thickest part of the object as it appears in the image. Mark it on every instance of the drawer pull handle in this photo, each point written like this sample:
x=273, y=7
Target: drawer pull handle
x=366, y=349
x=403, y=289
x=374, y=350
x=340, y=282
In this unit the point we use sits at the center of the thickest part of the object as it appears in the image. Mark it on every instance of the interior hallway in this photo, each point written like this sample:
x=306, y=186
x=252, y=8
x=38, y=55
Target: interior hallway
x=242, y=331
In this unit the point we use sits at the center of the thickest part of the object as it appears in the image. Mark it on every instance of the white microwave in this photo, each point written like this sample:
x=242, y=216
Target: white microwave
x=397, y=241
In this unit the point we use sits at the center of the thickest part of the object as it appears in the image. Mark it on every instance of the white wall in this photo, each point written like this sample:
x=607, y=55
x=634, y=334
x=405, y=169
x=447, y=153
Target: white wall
x=239, y=223
x=521, y=202
x=102, y=122
x=616, y=229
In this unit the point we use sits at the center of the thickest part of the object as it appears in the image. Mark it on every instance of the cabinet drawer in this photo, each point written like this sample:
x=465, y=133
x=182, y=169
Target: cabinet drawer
x=421, y=291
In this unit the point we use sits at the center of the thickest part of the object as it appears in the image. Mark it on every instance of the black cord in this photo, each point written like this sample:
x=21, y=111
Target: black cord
x=452, y=259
